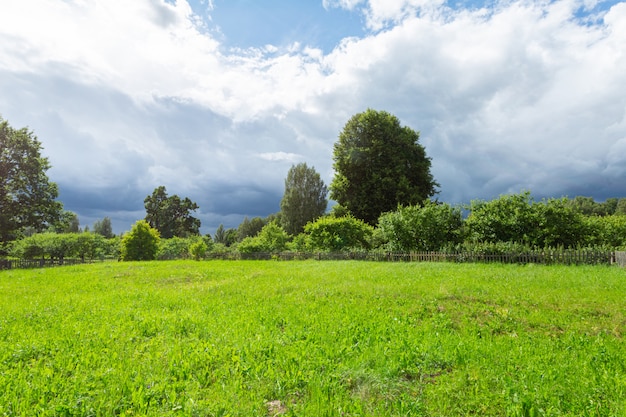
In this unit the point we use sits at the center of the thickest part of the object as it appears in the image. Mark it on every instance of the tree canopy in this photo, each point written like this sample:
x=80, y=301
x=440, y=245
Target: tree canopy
x=304, y=199
x=27, y=196
x=171, y=216
x=379, y=165
x=103, y=227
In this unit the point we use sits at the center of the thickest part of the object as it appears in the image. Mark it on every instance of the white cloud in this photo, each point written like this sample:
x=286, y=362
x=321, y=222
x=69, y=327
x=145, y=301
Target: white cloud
x=344, y=4
x=280, y=156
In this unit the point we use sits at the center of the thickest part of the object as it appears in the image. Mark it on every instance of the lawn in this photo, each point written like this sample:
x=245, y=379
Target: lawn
x=309, y=338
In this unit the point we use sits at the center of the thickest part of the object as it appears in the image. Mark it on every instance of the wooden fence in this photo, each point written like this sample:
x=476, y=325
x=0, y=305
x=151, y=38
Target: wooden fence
x=37, y=263
x=567, y=257
x=546, y=257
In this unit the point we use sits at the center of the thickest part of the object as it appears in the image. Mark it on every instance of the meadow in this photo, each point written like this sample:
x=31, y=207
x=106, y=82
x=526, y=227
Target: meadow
x=309, y=338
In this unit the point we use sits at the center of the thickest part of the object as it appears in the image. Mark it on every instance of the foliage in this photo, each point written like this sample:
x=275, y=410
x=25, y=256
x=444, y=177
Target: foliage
x=379, y=165
x=184, y=248
x=589, y=207
x=558, y=225
x=250, y=227
x=59, y=246
x=430, y=227
x=272, y=238
x=607, y=230
x=517, y=218
x=174, y=248
x=171, y=216
x=66, y=223
x=335, y=234
x=27, y=196
x=226, y=237
x=198, y=250
x=103, y=227
x=369, y=339
x=505, y=219
x=141, y=243
x=300, y=243
x=304, y=199
x=620, y=208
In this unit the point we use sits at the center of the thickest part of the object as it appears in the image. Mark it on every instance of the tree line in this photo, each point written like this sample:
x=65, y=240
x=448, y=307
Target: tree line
x=385, y=198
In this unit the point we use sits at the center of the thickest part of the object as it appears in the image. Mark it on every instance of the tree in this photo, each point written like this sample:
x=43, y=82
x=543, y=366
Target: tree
x=304, y=199
x=379, y=165
x=66, y=223
x=224, y=236
x=27, y=196
x=250, y=227
x=620, y=208
x=171, y=216
x=141, y=243
x=103, y=227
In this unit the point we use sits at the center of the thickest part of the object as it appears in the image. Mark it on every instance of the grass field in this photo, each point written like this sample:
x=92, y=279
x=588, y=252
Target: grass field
x=267, y=338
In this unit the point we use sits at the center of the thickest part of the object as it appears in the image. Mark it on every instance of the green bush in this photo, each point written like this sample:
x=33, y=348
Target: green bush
x=421, y=228
x=141, y=243
x=198, y=250
x=64, y=245
x=271, y=238
x=607, y=231
x=335, y=234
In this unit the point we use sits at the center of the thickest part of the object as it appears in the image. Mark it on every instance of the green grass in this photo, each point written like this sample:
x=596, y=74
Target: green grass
x=248, y=338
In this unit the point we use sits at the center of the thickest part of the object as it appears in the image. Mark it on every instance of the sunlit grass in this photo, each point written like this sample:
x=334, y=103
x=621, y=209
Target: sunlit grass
x=247, y=338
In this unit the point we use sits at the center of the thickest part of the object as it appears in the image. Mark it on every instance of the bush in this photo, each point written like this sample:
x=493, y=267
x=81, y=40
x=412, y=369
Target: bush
x=335, y=234
x=59, y=246
x=174, y=248
x=271, y=238
x=141, y=243
x=198, y=250
x=607, y=231
x=421, y=228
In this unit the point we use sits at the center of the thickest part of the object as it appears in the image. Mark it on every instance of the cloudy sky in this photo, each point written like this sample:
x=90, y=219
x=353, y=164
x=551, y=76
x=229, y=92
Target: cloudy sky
x=216, y=99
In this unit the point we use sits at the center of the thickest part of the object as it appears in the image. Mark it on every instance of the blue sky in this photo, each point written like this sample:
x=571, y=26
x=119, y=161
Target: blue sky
x=217, y=99
x=250, y=23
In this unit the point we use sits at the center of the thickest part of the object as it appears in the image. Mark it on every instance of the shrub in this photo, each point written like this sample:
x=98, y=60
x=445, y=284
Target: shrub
x=174, y=248
x=198, y=250
x=422, y=228
x=607, y=231
x=271, y=238
x=334, y=234
x=141, y=243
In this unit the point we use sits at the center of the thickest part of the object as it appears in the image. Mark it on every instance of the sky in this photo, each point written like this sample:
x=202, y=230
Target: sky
x=217, y=99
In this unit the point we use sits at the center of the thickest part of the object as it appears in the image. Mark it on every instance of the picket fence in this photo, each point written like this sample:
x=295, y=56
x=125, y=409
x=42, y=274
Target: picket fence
x=566, y=257
x=546, y=257
x=37, y=263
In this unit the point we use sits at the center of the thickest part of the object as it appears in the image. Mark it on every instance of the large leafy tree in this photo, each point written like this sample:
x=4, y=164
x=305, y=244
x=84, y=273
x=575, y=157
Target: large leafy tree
x=171, y=216
x=379, y=165
x=27, y=196
x=304, y=199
